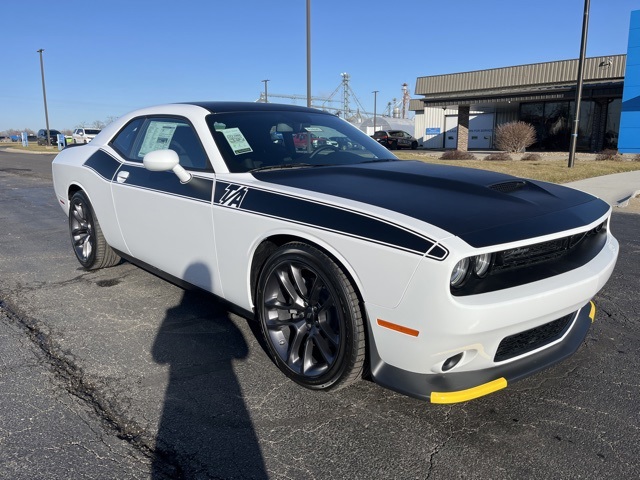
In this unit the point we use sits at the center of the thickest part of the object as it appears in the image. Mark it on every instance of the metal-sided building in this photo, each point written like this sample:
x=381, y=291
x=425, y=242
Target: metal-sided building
x=461, y=110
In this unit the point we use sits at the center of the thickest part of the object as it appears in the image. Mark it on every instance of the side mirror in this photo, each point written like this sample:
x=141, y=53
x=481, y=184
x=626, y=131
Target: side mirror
x=165, y=160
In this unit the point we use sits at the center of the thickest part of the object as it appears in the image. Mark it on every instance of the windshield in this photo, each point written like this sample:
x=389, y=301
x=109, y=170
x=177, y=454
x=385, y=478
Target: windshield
x=288, y=139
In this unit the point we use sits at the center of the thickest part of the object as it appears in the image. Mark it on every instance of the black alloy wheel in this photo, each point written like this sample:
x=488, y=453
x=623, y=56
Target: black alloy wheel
x=311, y=318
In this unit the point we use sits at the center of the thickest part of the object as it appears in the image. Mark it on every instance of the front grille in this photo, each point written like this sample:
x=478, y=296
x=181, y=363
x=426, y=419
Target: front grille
x=532, y=254
x=530, y=263
x=530, y=340
x=543, y=252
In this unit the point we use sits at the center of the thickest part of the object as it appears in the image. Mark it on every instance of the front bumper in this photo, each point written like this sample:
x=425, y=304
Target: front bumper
x=462, y=386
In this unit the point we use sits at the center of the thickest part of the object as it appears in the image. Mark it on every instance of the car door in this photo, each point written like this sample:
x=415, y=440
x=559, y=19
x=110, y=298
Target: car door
x=165, y=223
x=404, y=139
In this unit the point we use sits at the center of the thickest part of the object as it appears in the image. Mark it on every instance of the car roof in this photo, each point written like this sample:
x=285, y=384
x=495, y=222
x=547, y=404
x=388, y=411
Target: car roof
x=225, y=107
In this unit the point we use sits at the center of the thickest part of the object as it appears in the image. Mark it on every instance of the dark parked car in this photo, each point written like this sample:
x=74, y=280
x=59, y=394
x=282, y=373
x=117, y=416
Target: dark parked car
x=395, y=139
x=53, y=137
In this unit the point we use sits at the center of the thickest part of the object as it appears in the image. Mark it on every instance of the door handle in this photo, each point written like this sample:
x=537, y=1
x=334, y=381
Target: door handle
x=122, y=177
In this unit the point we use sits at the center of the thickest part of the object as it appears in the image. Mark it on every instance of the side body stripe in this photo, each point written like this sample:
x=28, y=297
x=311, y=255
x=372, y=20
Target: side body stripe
x=103, y=164
x=268, y=203
x=198, y=189
x=327, y=217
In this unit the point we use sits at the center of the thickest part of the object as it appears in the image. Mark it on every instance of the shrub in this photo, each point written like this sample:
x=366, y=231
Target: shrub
x=515, y=136
x=636, y=158
x=457, y=155
x=531, y=157
x=498, y=157
x=608, y=155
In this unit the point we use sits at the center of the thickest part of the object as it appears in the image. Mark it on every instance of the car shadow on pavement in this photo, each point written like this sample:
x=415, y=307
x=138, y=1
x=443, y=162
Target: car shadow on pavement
x=205, y=429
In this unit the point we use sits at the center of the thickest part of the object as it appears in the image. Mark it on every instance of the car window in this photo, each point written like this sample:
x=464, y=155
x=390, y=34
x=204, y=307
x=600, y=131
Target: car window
x=265, y=139
x=174, y=134
x=124, y=140
x=143, y=135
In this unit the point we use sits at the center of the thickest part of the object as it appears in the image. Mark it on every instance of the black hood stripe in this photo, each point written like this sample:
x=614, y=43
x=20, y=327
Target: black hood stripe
x=457, y=200
x=326, y=217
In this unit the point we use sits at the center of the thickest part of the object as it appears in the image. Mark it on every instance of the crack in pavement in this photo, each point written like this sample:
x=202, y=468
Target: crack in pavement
x=165, y=461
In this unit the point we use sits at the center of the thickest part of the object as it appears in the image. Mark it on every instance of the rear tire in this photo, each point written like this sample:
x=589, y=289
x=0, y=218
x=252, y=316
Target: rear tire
x=311, y=318
x=87, y=240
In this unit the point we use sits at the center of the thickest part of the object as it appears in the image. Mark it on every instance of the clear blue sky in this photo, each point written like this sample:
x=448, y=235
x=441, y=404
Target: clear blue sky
x=103, y=59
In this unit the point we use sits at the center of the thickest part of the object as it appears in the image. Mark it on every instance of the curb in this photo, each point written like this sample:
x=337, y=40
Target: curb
x=624, y=202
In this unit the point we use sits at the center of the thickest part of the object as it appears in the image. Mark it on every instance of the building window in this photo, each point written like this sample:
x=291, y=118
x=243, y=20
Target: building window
x=612, y=127
x=585, y=127
x=552, y=121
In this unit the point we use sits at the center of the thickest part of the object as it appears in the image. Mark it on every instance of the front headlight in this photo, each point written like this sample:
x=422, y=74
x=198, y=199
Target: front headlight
x=460, y=271
x=481, y=264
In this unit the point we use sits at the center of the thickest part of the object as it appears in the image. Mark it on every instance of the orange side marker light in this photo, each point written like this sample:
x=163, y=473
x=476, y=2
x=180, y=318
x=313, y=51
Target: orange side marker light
x=398, y=328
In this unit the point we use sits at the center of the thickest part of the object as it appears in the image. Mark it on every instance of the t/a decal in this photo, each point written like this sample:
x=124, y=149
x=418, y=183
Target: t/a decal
x=233, y=196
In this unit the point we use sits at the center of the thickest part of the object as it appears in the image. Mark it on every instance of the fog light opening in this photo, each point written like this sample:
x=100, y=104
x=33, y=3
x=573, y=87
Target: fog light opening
x=451, y=362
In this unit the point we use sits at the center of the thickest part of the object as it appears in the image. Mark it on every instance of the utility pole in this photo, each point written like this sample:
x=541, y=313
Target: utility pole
x=266, y=98
x=375, y=107
x=576, y=118
x=44, y=94
x=308, y=53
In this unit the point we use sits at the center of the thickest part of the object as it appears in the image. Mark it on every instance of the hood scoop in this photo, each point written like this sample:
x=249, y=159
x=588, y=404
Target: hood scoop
x=508, y=187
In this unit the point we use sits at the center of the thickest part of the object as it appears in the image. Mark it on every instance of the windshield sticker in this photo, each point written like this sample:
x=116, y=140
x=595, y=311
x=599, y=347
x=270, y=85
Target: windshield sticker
x=236, y=140
x=158, y=137
x=313, y=129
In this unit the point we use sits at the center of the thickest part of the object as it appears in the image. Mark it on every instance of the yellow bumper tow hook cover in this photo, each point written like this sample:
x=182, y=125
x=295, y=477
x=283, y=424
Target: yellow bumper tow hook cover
x=469, y=394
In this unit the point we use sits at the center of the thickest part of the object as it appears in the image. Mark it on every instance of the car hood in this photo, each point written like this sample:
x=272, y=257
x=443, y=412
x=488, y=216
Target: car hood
x=483, y=208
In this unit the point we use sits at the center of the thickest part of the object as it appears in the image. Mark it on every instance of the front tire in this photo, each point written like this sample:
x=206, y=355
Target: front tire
x=89, y=244
x=311, y=318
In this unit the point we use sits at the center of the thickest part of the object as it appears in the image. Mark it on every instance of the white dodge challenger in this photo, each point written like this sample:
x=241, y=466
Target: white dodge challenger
x=439, y=282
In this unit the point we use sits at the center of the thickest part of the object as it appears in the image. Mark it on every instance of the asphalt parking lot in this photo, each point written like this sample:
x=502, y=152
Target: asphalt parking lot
x=119, y=374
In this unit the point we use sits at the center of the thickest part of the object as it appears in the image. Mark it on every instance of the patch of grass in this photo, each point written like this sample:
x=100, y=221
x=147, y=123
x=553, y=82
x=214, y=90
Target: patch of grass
x=555, y=171
x=33, y=147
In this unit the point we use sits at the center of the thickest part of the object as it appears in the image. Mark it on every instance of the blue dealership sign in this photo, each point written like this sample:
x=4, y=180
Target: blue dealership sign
x=629, y=139
x=433, y=131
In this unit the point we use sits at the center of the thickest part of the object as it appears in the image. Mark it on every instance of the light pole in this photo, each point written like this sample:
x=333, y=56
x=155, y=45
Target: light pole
x=576, y=119
x=266, y=98
x=308, y=53
x=375, y=107
x=44, y=94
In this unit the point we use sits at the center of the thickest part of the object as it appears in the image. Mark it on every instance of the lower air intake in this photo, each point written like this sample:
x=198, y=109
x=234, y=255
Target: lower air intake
x=533, y=339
